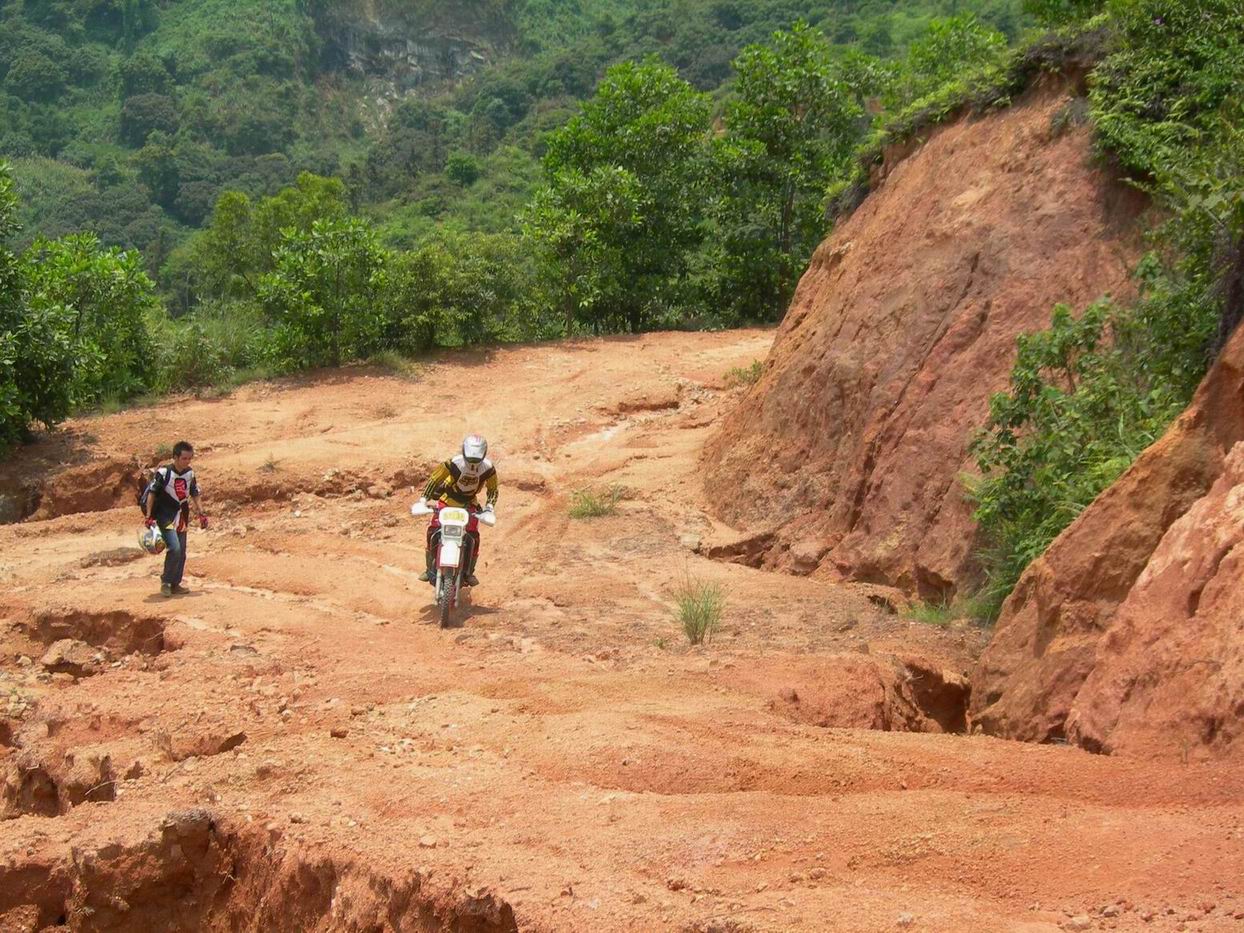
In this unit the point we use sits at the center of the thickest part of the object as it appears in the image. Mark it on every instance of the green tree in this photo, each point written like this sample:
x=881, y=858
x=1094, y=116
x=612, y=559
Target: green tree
x=462, y=169
x=1059, y=12
x=157, y=167
x=36, y=357
x=626, y=175
x=324, y=298
x=790, y=131
x=948, y=49
x=73, y=325
x=239, y=245
x=143, y=73
x=103, y=298
x=34, y=76
x=144, y=113
x=13, y=412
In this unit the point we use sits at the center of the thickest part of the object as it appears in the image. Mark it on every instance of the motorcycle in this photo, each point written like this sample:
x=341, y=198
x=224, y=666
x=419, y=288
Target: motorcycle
x=455, y=531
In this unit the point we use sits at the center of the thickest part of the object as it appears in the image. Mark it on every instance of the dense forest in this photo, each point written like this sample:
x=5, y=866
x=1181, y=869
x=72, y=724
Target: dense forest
x=198, y=192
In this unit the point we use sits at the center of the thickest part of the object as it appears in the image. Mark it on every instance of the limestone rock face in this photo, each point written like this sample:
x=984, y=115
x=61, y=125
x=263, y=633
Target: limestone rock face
x=902, y=327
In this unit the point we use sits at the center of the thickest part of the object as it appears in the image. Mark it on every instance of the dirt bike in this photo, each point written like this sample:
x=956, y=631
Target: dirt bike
x=455, y=531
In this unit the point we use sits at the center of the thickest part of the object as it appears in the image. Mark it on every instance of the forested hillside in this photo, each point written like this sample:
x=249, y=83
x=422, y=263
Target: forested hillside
x=130, y=117
x=441, y=151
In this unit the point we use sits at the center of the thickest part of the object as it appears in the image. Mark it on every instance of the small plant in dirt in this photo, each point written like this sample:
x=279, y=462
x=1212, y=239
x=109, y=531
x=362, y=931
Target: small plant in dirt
x=395, y=364
x=164, y=451
x=936, y=613
x=744, y=375
x=700, y=604
x=271, y=465
x=595, y=503
x=941, y=613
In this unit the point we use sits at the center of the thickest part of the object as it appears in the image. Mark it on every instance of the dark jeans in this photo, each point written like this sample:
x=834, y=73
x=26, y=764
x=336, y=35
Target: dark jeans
x=174, y=555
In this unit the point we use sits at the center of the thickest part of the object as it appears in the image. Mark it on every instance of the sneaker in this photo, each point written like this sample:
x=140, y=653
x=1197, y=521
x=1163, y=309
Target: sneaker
x=471, y=580
x=166, y=589
x=426, y=576
x=179, y=590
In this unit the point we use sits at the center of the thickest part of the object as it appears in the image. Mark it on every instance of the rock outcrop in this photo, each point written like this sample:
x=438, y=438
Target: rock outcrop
x=901, y=329
x=410, y=46
x=1127, y=635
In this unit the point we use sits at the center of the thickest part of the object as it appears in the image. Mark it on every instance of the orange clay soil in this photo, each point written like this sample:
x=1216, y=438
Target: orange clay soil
x=297, y=746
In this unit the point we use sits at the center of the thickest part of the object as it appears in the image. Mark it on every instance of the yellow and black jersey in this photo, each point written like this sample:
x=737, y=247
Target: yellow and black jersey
x=458, y=482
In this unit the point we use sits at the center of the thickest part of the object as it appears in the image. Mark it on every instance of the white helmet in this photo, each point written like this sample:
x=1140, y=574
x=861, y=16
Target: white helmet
x=474, y=448
x=150, y=540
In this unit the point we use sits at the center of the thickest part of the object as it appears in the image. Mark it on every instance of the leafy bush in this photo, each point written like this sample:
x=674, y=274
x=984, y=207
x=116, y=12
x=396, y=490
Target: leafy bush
x=1083, y=404
x=700, y=605
x=324, y=296
x=16, y=410
x=209, y=347
x=949, y=49
x=102, y=300
x=73, y=325
x=1090, y=394
x=1173, y=66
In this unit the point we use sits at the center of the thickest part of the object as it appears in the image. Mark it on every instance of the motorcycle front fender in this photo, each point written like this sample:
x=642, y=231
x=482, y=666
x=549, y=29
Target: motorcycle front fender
x=451, y=554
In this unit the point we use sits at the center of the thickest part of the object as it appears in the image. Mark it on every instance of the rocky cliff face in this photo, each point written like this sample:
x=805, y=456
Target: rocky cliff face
x=1128, y=634
x=410, y=45
x=900, y=330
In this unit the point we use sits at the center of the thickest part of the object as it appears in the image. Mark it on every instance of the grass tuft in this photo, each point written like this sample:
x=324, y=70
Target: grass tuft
x=937, y=614
x=978, y=608
x=594, y=503
x=393, y=363
x=700, y=604
x=744, y=375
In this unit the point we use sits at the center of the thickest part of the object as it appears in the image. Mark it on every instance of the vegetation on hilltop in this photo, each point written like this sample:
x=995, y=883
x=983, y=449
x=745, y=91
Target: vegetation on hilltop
x=1088, y=395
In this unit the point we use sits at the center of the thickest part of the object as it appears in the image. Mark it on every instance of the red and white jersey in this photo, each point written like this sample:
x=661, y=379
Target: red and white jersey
x=178, y=486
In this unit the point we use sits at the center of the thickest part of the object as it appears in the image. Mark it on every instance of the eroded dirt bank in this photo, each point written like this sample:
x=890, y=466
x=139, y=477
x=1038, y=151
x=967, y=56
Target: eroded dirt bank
x=902, y=327
x=297, y=746
x=1125, y=636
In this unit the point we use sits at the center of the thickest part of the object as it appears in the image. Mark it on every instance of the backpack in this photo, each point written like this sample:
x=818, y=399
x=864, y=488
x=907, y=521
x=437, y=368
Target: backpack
x=143, y=492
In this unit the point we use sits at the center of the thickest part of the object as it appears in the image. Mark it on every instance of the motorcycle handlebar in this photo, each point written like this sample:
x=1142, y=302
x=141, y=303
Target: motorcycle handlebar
x=418, y=509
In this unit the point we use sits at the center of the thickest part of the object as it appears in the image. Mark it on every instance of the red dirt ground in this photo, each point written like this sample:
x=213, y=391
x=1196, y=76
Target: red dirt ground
x=297, y=746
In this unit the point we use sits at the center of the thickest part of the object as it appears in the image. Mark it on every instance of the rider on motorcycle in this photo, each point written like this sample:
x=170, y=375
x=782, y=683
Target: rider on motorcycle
x=457, y=482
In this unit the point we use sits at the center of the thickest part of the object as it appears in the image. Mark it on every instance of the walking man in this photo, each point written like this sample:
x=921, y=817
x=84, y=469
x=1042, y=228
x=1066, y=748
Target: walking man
x=172, y=490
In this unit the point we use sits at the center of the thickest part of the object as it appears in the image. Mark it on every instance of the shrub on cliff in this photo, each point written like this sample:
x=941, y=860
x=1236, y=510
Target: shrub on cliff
x=1089, y=394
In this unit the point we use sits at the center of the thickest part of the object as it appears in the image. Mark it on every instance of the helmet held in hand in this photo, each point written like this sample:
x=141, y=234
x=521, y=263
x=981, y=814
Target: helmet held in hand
x=151, y=540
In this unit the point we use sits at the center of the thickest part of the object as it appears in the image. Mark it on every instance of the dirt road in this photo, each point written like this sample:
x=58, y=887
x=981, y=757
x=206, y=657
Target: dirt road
x=297, y=746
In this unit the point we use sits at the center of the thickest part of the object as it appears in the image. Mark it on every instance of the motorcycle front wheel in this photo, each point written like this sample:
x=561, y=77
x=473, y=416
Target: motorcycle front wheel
x=445, y=598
